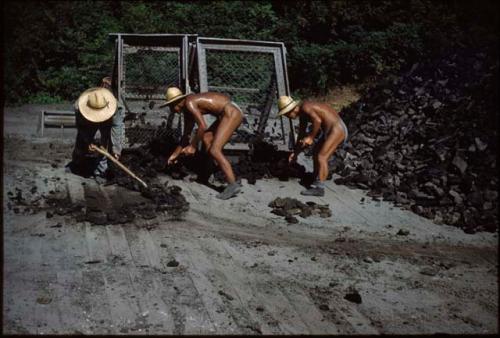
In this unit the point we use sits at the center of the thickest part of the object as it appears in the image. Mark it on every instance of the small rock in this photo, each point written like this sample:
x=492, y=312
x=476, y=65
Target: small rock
x=368, y=260
x=353, y=296
x=291, y=219
x=260, y=308
x=402, y=232
x=173, y=263
x=480, y=144
x=456, y=196
x=272, y=253
x=429, y=271
x=222, y=293
x=460, y=163
x=38, y=235
x=49, y=214
x=324, y=307
x=44, y=300
x=95, y=261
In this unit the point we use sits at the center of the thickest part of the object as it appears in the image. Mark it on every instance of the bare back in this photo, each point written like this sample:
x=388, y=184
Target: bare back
x=208, y=103
x=329, y=117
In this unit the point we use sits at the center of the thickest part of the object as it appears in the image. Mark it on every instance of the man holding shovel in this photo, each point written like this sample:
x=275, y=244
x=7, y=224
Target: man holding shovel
x=323, y=119
x=97, y=109
x=229, y=117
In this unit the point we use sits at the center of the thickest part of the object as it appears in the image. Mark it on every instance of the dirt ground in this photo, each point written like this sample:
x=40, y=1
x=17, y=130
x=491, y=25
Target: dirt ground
x=230, y=267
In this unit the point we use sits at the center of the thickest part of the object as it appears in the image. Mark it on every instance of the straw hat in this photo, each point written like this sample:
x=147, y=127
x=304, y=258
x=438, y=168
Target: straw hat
x=286, y=104
x=97, y=104
x=173, y=94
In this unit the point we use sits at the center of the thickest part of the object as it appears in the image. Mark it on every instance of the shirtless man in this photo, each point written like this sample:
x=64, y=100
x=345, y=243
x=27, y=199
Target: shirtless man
x=229, y=117
x=334, y=131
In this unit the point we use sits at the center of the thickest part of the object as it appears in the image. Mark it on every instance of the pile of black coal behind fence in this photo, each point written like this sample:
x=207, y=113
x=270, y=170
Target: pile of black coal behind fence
x=427, y=141
x=291, y=207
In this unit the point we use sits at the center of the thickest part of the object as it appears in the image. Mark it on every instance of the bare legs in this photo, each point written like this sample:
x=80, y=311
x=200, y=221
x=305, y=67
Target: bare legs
x=322, y=153
x=218, y=135
x=326, y=151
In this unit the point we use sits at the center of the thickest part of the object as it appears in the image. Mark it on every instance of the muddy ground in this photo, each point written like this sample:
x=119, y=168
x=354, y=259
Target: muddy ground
x=228, y=267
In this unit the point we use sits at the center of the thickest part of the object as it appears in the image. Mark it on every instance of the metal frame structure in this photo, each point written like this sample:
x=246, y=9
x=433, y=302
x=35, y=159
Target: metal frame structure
x=277, y=49
x=173, y=42
x=192, y=77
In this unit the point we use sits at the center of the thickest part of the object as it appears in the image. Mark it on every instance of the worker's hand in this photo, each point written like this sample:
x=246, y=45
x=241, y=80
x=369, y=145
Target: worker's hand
x=172, y=159
x=306, y=141
x=292, y=158
x=117, y=156
x=92, y=147
x=188, y=150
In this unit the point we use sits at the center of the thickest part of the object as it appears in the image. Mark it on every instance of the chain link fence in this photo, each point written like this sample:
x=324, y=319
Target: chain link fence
x=253, y=76
x=249, y=78
x=148, y=66
x=149, y=71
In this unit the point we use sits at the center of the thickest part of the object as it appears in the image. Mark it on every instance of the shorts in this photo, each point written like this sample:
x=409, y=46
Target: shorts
x=342, y=124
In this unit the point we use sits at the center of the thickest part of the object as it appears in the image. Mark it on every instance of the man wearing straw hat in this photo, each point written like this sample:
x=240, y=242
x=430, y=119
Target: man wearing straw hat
x=97, y=109
x=229, y=117
x=333, y=131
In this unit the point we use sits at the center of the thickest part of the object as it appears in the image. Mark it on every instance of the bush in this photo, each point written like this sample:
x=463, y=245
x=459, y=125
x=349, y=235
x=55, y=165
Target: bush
x=61, y=48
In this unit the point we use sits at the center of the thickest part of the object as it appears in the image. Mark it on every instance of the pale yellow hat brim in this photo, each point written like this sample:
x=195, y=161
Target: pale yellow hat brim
x=288, y=108
x=97, y=115
x=177, y=98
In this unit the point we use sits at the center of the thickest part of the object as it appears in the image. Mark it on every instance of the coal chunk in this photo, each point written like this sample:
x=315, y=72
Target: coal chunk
x=353, y=296
x=173, y=263
x=291, y=207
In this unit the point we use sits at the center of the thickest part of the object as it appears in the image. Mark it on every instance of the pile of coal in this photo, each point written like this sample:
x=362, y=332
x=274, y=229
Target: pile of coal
x=291, y=207
x=31, y=202
x=265, y=161
x=166, y=198
x=262, y=161
x=428, y=141
x=97, y=210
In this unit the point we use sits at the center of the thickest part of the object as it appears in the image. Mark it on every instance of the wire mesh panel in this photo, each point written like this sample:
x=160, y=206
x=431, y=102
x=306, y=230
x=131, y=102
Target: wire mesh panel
x=253, y=74
x=249, y=78
x=149, y=71
x=147, y=64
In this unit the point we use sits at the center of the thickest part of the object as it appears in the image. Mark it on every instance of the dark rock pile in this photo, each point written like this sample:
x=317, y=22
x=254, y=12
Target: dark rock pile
x=262, y=161
x=119, y=207
x=265, y=161
x=427, y=141
x=290, y=207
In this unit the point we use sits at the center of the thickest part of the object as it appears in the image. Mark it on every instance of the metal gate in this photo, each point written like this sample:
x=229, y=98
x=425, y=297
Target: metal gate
x=145, y=66
x=253, y=73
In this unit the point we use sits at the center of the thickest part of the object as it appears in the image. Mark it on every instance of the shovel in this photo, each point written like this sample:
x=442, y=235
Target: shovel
x=103, y=151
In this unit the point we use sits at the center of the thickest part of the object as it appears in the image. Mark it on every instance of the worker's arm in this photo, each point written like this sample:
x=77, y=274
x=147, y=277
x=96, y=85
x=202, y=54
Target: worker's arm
x=316, y=126
x=298, y=146
x=200, y=121
x=188, y=128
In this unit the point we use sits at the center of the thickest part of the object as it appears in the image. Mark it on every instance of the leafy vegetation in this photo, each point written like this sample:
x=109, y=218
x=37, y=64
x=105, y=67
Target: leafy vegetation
x=55, y=49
